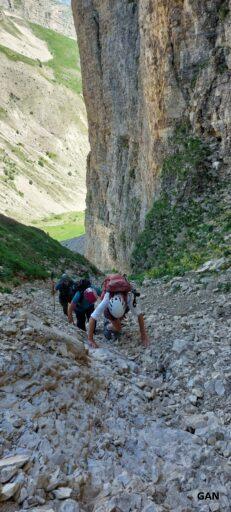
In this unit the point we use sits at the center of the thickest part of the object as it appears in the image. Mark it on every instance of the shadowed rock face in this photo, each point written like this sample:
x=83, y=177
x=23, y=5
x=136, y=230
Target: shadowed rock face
x=147, y=66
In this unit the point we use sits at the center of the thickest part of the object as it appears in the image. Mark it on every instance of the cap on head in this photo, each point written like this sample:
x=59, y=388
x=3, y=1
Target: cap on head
x=65, y=278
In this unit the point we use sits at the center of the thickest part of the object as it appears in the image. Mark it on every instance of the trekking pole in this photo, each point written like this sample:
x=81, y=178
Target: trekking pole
x=53, y=289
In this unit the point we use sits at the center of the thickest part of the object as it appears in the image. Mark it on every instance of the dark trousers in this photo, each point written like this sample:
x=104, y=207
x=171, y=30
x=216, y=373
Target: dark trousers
x=82, y=316
x=64, y=305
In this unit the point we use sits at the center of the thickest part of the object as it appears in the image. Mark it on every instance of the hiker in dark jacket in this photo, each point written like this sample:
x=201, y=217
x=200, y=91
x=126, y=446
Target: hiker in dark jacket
x=83, y=305
x=63, y=286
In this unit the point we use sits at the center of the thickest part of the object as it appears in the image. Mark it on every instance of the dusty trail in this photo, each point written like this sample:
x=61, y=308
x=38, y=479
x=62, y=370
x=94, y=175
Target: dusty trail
x=119, y=429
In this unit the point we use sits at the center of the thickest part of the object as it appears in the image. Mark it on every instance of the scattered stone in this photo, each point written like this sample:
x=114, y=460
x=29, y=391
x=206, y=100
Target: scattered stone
x=150, y=508
x=69, y=506
x=219, y=387
x=7, y=491
x=180, y=345
x=212, y=265
x=123, y=426
x=63, y=493
x=192, y=399
x=18, y=461
x=155, y=474
x=198, y=392
x=7, y=473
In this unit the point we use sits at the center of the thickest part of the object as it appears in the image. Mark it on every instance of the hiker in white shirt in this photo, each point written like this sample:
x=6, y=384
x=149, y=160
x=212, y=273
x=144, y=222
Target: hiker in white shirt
x=114, y=308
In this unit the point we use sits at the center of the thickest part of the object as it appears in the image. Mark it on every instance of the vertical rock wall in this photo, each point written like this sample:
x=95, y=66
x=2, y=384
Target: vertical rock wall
x=147, y=66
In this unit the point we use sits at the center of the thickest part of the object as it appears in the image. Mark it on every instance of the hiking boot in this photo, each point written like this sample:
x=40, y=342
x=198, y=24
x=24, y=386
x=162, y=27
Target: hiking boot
x=108, y=334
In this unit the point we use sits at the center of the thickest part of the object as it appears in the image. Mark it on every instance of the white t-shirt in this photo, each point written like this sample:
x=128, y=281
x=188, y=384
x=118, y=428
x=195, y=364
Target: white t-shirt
x=136, y=311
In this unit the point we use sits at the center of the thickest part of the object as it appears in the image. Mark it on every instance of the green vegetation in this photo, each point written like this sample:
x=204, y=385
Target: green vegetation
x=181, y=170
x=27, y=252
x=15, y=56
x=17, y=3
x=51, y=155
x=63, y=226
x=41, y=162
x=224, y=10
x=224, y=287
x=19, y=153
x=180, y=238
x=3, y=113
x=187, y=225
x=197, y=70
x=65, y=62
x=9, y=169
x=5, y=289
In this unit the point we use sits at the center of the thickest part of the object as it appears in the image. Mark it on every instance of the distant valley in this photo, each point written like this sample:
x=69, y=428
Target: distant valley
x=43, y=126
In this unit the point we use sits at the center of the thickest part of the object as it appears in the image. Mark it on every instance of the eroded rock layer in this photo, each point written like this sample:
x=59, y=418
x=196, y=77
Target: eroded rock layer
x=148, y=66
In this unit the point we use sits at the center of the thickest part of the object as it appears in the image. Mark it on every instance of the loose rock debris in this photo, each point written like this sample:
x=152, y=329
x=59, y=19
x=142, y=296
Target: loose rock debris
x=119, y=428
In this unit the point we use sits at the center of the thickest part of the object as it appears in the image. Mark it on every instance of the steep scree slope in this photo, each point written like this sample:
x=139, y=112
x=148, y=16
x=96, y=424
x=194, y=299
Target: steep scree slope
x=149, y=67
x=125, y=429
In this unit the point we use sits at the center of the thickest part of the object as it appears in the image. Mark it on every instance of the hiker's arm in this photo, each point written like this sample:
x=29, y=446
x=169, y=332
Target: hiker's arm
x=143, y=333
x=53, y=290
x=91, y=329
x=71, y=308
x=95, y=315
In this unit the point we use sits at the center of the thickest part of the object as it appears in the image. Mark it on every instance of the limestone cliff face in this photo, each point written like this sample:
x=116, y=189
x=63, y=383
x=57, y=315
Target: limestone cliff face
x=147, y=66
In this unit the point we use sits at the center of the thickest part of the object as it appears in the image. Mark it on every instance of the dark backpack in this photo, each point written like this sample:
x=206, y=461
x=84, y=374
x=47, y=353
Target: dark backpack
x=65, y=290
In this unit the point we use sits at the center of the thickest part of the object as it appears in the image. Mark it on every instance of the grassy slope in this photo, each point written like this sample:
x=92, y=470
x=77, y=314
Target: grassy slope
x=65, y=62
x=15, y=56
x=66, y=66
x=189, y=223
x=27, y=252
x=63, y=226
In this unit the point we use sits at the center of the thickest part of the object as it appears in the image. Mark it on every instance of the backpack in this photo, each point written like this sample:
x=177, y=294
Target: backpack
x=64, y=290
x=116, y=283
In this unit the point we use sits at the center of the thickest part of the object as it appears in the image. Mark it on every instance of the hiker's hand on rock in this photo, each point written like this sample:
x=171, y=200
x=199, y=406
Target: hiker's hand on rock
x=92, y=343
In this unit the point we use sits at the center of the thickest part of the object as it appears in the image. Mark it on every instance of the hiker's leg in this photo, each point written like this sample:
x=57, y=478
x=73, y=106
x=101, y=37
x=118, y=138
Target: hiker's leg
x=64, y=306
x=106, y=329
x=88, y=314
x=112, y=325
x=81, y=320
x=117, y=326
x=112, y=328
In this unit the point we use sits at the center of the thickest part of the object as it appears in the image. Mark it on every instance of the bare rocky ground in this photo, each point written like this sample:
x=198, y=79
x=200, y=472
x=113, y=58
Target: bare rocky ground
x=76, y=244
x=119, y=428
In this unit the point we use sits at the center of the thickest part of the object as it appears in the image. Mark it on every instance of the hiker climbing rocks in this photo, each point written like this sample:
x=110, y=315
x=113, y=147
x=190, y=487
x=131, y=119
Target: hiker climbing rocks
x=64, y=287
x=117, y=299
x=83, y=304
